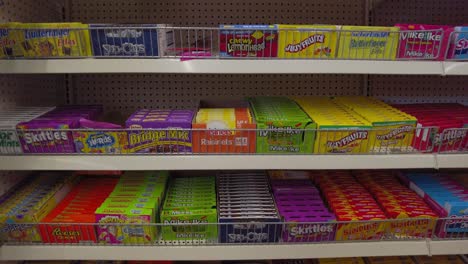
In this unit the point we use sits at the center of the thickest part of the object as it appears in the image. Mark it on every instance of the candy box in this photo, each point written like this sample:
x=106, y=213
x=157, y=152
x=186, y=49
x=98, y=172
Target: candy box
x=54, y=40
x=304, y=41
x=249, y=228
x=419, y=41
x=192, y=225
x=125, y=225
x=363, y=42
x=248, y=41
x=160, y=132
x=459, y=44
x=9, y=47
x=111, y=40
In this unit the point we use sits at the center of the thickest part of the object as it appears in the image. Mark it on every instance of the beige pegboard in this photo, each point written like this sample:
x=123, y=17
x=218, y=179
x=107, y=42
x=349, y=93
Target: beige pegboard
x=30, y=11
x=445, y=12
x=32, y=90
x=127, y=92
x=215, y=12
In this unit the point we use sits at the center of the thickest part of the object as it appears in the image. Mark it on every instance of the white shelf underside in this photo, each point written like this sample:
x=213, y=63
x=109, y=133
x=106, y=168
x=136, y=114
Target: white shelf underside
x=233, y=66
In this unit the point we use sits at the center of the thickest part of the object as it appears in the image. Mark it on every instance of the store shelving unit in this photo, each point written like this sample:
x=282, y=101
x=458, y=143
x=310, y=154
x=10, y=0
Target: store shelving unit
x=126, y=84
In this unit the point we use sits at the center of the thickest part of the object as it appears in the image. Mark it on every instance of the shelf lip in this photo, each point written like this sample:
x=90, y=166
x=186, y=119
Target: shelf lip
x=455, y=68
x=216, y=252
x=452, y=161
x=226, y=66
x=223, y=162
x=444, y=247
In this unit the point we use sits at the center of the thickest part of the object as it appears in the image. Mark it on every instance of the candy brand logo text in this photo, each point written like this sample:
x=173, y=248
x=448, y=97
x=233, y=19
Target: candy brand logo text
x=125, y=33
x=279, y=131
x=100, y=140
x=394, y=133
x=244, y=45
x=249, y=237
x=310, y=229
x=60, y=33
x=8, y=140
x=304, y=44
x=45, y=136
x=360, y=228
x=151, y=136
x=58, y=232
x=431, y=36
x=4, y=33
x=128, y=49
x=348, y=139
x=461, y=44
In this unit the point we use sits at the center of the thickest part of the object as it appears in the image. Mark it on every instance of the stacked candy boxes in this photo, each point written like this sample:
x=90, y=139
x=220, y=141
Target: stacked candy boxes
x=246, y=206
x=458, y=49
x=283, y=126
x=52, y=135
x=300, y=201
x=445, y=117
x=303, y=41
x=29, y=204
x=393, y=129
x=339, y=129
x=128, y=212
x=9, y=142
x=399, y=202
x=418, y=41
x=77, y=207
x=230, y=130
x=167, y=131
x=189, y=212
x=248, y=41
x=446, y=197
x=350, y=201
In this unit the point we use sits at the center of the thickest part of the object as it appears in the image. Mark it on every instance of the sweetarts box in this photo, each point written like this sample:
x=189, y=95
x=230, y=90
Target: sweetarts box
x=248, y=41
x=160, y=131
x=130, y=40
x=459, y=44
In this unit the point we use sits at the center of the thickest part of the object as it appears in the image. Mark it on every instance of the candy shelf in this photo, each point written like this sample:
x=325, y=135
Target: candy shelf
x=231, y=66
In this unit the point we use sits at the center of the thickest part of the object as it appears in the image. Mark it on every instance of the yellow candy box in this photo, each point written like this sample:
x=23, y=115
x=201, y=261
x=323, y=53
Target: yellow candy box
x=360, y=42
x=9, y=47
x=54, y=40
x=307, y=41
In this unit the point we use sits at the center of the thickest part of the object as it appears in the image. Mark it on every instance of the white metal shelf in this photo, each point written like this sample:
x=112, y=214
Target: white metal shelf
x=234, y=252
x=232, y=162
x=228, y=66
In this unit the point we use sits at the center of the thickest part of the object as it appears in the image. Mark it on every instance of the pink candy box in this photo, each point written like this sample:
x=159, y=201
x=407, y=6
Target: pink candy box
x=418, y=41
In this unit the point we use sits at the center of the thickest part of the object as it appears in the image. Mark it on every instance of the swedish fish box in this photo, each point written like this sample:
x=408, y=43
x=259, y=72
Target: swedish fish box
x=283, y=126
x=9, y=47
x=54, y=40
x=393, y=130
x=306, y=41
x=360, y=42
x=339, y=130
x=248, y=41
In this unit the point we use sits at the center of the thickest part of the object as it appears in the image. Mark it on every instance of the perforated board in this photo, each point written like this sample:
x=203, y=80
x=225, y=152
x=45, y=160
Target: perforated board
x=126, y=92
x=30, y=11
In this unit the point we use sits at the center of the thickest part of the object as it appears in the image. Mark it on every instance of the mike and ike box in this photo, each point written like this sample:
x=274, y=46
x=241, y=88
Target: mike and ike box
x=197, y=224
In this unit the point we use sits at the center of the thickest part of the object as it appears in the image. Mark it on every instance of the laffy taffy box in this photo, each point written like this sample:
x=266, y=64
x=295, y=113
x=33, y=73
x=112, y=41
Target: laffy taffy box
x=54, y=40
x=224, y=126
x=161, y=131
x=367, y=43
x=248, y=41
x=307, y=41
x=283, y=127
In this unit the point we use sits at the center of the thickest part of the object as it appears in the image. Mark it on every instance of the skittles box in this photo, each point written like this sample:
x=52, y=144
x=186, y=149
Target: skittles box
x=54, y=40
x=160, y=131
x=248, y=41
x=419, y=41
x=303, y=41
x=368, y=43
x=9, y=47
x=459, y=44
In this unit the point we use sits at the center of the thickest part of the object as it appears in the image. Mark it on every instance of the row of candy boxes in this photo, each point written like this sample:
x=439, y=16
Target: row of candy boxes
x=234, y=231
x=285, y=41
x=400, y=138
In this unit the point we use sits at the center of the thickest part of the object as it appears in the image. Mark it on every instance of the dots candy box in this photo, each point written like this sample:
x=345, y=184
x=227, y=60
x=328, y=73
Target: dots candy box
x=54, y=40
x=361, y=42
x=130, y=40
x=458, y=49
x=304, y=41
x=419, y=41
x=248, y=41
x=283, y=126
x=162, y=131
x=246, y=216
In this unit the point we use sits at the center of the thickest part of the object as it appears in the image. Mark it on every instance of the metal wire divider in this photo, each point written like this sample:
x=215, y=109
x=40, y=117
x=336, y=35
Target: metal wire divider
x=224, y=42
x=233, y=232
x=401, y=139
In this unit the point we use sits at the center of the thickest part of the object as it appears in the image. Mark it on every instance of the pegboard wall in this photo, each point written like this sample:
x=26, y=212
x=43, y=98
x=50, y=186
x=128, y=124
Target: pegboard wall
x=30, y=11
x=127, y=92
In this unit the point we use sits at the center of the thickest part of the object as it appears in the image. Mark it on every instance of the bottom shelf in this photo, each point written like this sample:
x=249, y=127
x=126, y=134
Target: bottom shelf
x=235, y=252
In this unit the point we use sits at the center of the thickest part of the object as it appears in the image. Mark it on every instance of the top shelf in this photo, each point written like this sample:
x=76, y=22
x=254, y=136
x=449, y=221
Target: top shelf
x=228, y=66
